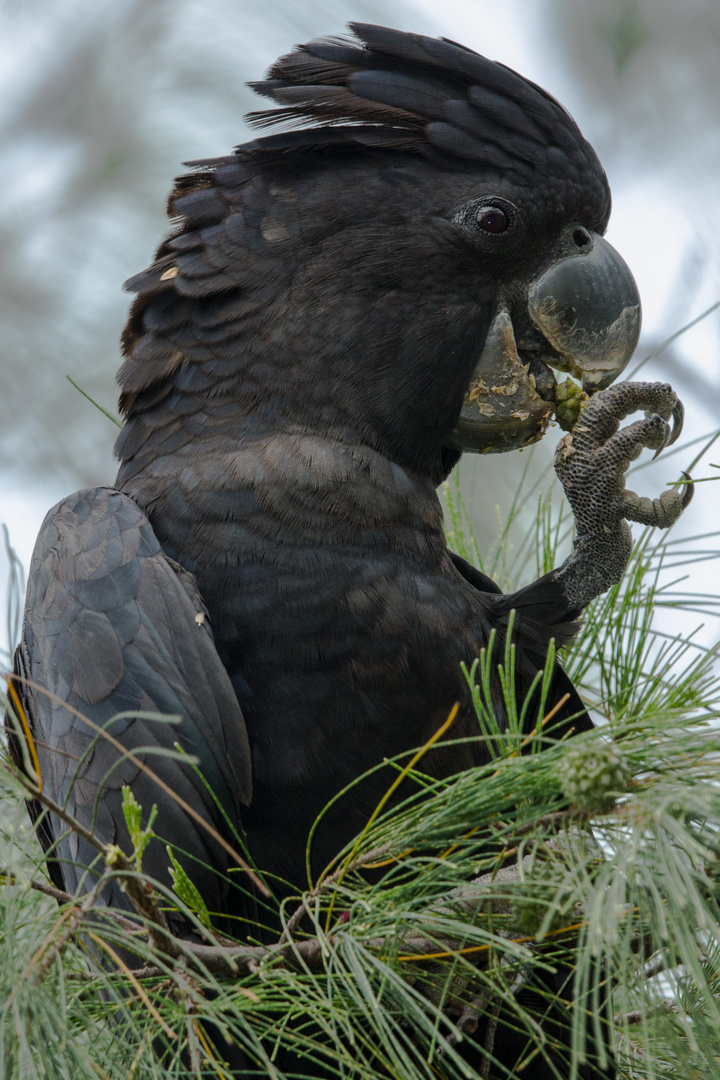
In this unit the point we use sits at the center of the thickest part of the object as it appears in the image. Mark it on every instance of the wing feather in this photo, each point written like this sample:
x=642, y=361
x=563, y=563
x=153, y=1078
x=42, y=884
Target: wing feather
x=113, y=626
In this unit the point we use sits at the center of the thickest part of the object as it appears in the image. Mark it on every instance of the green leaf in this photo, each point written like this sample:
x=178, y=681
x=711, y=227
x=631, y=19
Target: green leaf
x=186, y=890
x=80, y=390
x=132, y=811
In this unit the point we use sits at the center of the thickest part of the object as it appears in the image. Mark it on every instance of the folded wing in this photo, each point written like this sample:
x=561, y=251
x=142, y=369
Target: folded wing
x=115, y=630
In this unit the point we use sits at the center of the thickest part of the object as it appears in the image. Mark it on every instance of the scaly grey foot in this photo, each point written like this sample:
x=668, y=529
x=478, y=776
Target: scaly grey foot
x=591, y=464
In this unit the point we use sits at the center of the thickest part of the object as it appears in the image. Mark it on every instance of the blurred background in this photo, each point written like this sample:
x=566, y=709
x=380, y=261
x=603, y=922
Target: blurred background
x=102, y=100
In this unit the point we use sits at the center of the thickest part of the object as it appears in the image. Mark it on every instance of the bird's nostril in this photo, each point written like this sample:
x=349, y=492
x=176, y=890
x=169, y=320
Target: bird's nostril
x=581, y=238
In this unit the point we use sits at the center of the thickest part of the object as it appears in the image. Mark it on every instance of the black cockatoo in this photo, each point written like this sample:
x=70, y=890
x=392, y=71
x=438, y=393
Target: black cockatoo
x=339, y=312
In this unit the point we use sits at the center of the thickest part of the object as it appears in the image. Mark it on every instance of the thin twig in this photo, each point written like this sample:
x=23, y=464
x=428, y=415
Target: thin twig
x=144, y=901
x=8, y=878
x=184, y=985
x=331, y=879
x=58, y=810
x=638, y=1016
x=55, y=942
x=66, y=898
x=193, y=813
x=489, y=1043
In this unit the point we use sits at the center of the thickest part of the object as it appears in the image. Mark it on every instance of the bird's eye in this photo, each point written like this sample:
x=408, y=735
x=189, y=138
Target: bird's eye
x=491, y=219
x=487, y=217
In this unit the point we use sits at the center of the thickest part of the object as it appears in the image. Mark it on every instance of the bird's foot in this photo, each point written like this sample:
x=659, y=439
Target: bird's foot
x=591, y=464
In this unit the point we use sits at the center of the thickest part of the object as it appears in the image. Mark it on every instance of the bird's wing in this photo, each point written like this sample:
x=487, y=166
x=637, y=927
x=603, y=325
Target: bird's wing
x=113, y=629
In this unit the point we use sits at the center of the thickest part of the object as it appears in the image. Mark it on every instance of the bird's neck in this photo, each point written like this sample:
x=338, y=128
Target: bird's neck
x=283, y=490
x=197, y=411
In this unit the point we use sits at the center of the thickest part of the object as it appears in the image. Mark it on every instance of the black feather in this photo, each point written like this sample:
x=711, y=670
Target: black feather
x=296, y=359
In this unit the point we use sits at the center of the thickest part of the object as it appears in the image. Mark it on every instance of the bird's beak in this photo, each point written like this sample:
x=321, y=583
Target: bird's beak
x=580, y=314
x=587, y=307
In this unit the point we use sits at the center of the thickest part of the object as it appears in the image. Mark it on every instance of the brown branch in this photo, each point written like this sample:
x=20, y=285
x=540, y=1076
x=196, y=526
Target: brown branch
x=571, y=815
x=186, y=985
x=39, y=886
x=489, y=1042
x=217, y=959
x=239, y=960
x=636, y=1016
x=242, y=960
x=54, y=943
x=66, y=898
x=326, y=883
x=57, y=750
x=144, y=900
x=56, y=808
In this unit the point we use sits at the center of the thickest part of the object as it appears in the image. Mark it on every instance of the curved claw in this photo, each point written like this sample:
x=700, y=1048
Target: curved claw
x=678, y=416
x=689, y=487
x=670, y=437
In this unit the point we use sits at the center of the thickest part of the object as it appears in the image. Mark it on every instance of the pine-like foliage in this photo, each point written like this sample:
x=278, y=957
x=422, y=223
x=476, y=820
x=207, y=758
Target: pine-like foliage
x=597, y=856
